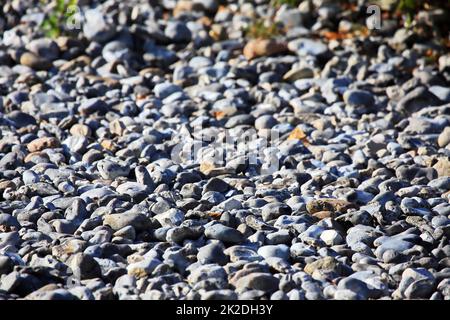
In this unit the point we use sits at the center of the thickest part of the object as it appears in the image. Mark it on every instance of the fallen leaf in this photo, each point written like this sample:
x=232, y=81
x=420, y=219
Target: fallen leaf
x=298, y=134
x=214, y=215
x=219, y=115
x=108, y=145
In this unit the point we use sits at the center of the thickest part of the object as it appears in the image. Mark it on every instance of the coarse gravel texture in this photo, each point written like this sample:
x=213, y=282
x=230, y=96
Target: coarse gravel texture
x=101, y=198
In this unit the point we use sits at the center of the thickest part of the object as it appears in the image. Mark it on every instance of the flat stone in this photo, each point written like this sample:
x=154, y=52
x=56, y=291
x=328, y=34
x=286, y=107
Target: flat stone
x=223, y=233
x=21, y=119
x=212, y=253
x=274, y=210
x=263, y=47
x=111, y=170
x=34, y=61
x=333, y=205
x=279, y=251
x=143, y=268
x=120, y=220
x=305, y=47
x=258, y=281
x=84, y=266
x=42, y=143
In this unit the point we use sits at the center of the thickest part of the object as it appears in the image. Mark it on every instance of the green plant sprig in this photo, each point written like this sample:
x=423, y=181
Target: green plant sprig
x=279, y=3
x=53, y=23
x=259, y=29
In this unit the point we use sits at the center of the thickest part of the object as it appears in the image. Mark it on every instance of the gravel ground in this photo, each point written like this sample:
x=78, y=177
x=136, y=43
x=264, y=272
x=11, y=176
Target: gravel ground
x=159, y=152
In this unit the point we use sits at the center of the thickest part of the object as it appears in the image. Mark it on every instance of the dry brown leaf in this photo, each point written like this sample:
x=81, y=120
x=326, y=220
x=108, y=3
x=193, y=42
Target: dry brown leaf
x=349, y=6
x=331, y=35
x=214, y=215
x=360, y=32
x=108, y=145
x=219, y=115
x=298, y=134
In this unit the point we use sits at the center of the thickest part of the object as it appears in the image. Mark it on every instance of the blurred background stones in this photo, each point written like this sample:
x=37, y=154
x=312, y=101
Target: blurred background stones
x=102, y=107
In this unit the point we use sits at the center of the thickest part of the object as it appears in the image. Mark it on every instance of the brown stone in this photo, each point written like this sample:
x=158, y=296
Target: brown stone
x=444, y=137
x=258, y=281
x=206, y=167
x=42, y=292
x=322, y=264
x=80, y=130
x=446, y=195
x=108, y=145
x=43, y=143
x=29, y=157
x=333, y=205
x=323, y=215
x=263, y=47
x=63, y=251
x=28, y=129
x=442, y=167
x=117, y=127
x=6, y=184
x=218, y=32
x=152, y=71
x=80, y=61
x=184, y=6
x=34, y=61
x=416, y=221
x=204, y=20
x=65, y=43
x=210, y=169
x=109, y=81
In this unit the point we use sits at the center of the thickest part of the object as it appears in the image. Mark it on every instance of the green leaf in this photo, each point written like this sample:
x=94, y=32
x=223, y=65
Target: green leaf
x=53, y=33
x=60, y=6
x=279, y=3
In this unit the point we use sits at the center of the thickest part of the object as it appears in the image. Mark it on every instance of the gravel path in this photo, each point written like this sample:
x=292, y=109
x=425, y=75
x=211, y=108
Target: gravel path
x=161, y=152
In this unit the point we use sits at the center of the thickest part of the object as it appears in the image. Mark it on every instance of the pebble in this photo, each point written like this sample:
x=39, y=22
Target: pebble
x=118, y=221
x=21, y=119
x=93, y=105
x=163, y=151
x=444, y=137
x=274, y=210
x=223, y=233
x=212, y=253
x=42, y=143
x=143, y=268
x=258, y=281
x=84, y=266
x=96, y=27
x=34, y=61
x=280, y=251
x=416, y=283
x=80, y=130
x=111, y=170
x=331, y=237
x=306, y=47
x=263, y=47
x=177, y=32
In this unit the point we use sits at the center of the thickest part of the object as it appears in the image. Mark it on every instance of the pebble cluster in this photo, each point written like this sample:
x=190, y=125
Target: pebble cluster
x=98, y=200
